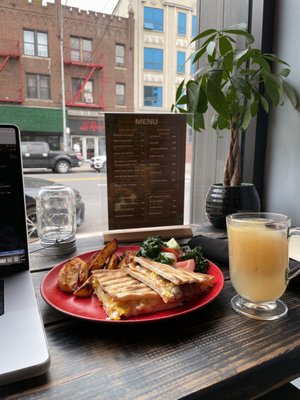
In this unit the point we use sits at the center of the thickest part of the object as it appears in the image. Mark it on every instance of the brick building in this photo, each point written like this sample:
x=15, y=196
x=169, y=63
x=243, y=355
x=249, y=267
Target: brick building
x=96, y=72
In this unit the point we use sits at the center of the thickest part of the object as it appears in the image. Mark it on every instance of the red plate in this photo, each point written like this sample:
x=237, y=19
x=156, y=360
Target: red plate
x=90, y=308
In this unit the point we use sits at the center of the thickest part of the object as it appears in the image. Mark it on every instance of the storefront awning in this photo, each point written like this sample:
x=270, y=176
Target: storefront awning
x=33, y=119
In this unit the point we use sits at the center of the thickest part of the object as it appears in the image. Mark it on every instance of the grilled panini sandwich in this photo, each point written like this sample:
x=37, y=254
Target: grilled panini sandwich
x=123, y=296
x=170, y=283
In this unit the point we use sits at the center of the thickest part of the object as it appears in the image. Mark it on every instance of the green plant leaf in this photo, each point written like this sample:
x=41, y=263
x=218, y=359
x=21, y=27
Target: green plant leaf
x=264, y=103
x=241, y=32
x=199, y=53
x=204, y=34
x=196, y=98
x=225, y=45
x=211, y=48
x=274, y=58
x=240, y=56
x=216, y=98
x=179, y=90
x=260, y=60
x=274, y=89
x=254, y=108
x=242, y=85
x=290, y=93
x=228, y=61
x=284, y=72
x=246, y=119
x=196, y=121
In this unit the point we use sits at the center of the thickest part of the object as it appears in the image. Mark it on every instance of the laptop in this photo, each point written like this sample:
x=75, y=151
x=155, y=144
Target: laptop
x=23, y=346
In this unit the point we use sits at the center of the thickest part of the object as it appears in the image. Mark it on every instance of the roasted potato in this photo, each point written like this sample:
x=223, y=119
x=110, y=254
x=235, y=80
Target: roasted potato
x=72, y=275
x=100, y=259
x=113, y=262
x=86, y=289
x=127, y=257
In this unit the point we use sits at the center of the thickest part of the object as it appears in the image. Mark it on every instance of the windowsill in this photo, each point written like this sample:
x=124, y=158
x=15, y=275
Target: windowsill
x=36, y=57
x=39, y=100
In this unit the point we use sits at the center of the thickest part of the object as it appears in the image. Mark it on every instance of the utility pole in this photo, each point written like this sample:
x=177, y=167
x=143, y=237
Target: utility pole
x=62, y=69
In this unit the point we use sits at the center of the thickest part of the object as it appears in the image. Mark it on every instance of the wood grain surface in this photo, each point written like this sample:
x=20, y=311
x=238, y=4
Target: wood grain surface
x=212, y=353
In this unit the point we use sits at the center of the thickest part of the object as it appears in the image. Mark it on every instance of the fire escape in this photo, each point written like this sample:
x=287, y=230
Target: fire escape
x=89, y=68
x=10, y=57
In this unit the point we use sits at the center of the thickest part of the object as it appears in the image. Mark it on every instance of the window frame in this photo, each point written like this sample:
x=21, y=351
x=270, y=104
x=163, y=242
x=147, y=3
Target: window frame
x=151, y=54
x=180, y=66
x=35, y=44
x=121, y=57
x=153, y=19
x=194, y=26
x=76, y=85
x=181, y=23
x=120, y=96
x=152, y=96
x=37, y=87
x=84, y=56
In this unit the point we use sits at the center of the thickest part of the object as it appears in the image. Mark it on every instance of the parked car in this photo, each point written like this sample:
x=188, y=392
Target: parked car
x=32, y=186
x=39, y=155
x=98, y=163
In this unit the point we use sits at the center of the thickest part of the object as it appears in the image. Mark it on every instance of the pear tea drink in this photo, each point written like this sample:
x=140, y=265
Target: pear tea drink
x=258, y=254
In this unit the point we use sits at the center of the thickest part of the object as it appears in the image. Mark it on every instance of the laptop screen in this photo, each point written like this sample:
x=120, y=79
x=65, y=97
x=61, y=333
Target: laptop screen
x=13, y=231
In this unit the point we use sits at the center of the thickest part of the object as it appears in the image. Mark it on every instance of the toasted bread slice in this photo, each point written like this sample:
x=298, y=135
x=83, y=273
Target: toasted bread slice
x=123, y=296
x=175, y=275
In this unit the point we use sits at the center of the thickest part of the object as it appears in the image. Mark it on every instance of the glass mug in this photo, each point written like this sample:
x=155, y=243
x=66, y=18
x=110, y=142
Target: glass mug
x=259, y=263
x=56, y=213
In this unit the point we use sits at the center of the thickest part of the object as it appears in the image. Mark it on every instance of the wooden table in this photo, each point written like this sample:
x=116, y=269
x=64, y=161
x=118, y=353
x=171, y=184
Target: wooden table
x=212, y=353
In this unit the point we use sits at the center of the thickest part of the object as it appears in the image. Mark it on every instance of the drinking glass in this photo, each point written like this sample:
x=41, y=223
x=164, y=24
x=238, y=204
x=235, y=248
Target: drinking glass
x=56, y=218
x=259, y=263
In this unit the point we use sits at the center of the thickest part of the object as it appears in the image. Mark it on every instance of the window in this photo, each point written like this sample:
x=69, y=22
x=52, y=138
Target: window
x=194, y=25
x=153, y=59
x=81, y=49
x=153, y=96
x=86, y=96
x=193, y=66
x=153, y=19
x=35, y=43
x=120, y=94
x=181, y=27
x=180, y=62
x=38, y=86
x=120, y=54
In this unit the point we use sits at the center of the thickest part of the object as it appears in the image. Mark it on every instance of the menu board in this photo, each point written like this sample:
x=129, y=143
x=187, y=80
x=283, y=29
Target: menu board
x=145, y=169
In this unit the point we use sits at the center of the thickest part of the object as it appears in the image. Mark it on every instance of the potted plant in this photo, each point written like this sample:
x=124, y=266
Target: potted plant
x=235, y=81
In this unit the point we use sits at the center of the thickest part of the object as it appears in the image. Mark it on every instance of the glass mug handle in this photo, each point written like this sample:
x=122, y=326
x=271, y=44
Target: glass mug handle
x=295, y=270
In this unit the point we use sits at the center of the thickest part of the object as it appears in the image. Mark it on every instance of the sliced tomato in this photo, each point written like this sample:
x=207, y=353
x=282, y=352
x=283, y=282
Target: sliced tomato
x=166, y=249
x=188, y=265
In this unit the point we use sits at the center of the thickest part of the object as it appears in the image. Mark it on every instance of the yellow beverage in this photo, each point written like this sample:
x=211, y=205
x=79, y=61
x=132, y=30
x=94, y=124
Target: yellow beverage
x=258, y=259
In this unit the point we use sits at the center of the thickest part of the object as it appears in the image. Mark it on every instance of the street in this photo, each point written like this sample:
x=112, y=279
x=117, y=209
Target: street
x=92, y=187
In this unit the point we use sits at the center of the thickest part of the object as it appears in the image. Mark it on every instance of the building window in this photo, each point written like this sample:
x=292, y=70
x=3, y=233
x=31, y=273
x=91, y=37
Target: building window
x=181, y=27
x=120, y=94
x=153, y=96
x=35, y=43
x=194, y=25
x=120, y=54
x=153, y=19
x=86, y=95
x=38, y=86
x=153, y=59
x=193, y=66
x=81, y=49
x=180, y=62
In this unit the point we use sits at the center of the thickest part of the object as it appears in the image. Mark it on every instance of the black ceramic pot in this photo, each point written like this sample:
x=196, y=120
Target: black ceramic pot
x=224, y=200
